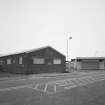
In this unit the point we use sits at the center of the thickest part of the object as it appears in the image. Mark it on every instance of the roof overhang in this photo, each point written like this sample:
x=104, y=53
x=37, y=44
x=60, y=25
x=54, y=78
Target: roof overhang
x=90, y=58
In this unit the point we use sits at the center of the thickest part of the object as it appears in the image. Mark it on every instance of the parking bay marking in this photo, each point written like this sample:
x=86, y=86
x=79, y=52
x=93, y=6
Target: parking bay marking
x=74, y=82
x=53, y=87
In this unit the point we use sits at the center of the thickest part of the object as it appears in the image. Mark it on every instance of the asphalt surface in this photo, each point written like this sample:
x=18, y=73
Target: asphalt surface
x=78, y=88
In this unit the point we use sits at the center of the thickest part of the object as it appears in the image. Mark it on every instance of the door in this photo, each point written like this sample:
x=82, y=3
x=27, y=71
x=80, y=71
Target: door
x=90, y=65
x=49, y=65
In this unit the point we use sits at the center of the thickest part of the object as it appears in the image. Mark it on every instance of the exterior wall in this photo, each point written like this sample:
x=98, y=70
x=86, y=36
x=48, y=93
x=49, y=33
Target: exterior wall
x=14, y=67
x=102, y=65
x=78, y=65
x=90, y=65
x=48, y=67
x=70, y=66
x=27, y=66
x=75, y=64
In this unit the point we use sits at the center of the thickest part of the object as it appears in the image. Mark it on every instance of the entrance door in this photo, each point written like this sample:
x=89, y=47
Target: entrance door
x=49, y=65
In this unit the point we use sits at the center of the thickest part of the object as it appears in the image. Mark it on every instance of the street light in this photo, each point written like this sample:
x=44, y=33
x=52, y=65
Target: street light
x=68, y=45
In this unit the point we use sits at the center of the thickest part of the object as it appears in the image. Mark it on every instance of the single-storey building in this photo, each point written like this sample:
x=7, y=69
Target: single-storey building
x=89, y=63
x=41, y=60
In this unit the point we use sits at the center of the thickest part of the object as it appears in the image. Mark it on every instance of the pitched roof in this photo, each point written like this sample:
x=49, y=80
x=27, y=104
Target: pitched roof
x=41, y=48
x=33, y=50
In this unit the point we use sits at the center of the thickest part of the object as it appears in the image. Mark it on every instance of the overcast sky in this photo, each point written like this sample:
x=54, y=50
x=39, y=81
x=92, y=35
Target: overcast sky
x=29, y=24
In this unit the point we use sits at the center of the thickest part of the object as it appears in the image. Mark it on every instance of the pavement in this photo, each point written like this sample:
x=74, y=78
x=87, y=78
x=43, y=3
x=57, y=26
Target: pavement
x=77, y=88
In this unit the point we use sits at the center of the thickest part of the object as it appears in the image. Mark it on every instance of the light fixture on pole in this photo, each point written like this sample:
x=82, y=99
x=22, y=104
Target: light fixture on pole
x=68, y=46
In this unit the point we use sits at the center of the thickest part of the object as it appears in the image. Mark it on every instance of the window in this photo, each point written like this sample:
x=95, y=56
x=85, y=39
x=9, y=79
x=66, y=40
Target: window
x=38, y=61
x=1, y=62
x=57, y=61
x=20, y=60
x=8, y=61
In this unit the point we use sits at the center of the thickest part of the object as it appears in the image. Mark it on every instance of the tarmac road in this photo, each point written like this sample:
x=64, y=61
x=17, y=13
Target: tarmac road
x=78, y=88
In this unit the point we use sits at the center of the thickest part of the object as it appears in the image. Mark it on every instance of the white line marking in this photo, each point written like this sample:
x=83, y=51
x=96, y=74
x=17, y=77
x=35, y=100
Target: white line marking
x=68, y=84
x=17, y=87
x=81, y=82
x=36, y=86
x=73, y=86
x=55, y=89
x=45, y=89
x=12, y=80
x=17, y=79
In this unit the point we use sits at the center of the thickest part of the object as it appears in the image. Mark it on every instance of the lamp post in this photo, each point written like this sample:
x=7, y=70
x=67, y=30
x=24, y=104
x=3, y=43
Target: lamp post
x=68, y=46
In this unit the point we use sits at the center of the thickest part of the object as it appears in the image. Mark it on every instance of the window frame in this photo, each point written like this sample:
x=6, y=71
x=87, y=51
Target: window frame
x=20, y=62
x=57, y=61
x=8, y=61
x=38, y=61
x=1, y=62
